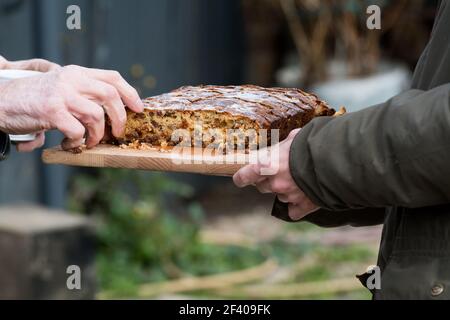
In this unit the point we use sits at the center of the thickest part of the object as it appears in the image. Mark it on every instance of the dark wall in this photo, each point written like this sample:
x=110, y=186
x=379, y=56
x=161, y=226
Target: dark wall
x=157, y=45
x=19, y=177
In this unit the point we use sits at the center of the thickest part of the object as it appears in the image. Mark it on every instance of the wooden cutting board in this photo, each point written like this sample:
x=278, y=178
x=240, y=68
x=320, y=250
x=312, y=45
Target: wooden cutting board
x=186, y=160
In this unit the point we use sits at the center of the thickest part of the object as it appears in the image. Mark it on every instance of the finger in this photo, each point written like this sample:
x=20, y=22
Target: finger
x=268, y=161
x=291, y=197
x=264, y=186
x=107, y=96
x=299, y=211
x=71, y=145
x=296, y=212
x=72, y=129
x=91, y=115
x=34, y=64
x=293, y=133
x=307, y=206
x=32, y=145
x=128, y=94
x=248, y=175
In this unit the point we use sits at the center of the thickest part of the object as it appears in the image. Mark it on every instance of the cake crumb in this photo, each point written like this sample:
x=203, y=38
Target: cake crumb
x=136, y=145
x=78, y=150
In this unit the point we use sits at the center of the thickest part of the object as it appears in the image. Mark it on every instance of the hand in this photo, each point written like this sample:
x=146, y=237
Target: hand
x=71, y=99
x=282, y=184
x=33, y=64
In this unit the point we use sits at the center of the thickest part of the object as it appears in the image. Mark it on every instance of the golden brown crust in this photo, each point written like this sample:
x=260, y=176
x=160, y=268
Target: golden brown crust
x=265, y=105
x=221, y=108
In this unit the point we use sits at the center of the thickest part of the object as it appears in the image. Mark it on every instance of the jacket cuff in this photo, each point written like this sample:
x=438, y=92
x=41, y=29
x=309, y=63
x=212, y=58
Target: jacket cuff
x=280, y=211
x=301, y=162
x=331, y=219
x=4, y=146
x=303, y=172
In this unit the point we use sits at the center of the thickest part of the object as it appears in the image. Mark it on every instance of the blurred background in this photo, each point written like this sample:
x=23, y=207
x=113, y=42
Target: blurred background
x=153, y=235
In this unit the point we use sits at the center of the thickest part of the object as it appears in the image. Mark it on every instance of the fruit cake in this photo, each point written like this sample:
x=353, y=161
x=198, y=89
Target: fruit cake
x=217, y=110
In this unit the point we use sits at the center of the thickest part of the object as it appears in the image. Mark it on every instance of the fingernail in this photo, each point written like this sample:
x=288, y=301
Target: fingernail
x=140, y=104
x=236, y=181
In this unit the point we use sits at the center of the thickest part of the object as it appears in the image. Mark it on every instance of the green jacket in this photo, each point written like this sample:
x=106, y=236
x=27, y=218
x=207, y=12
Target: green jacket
x=390, y=164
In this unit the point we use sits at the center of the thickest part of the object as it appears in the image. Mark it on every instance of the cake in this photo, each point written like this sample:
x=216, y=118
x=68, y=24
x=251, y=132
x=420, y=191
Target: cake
x=215, y=111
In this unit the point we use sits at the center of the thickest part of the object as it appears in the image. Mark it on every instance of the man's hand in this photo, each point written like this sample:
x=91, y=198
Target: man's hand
x=71, y=99
x=33, y=65
x=282, y=184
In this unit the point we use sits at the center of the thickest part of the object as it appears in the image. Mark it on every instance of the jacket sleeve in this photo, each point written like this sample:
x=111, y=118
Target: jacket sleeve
x=392, y=154
x=331, y=219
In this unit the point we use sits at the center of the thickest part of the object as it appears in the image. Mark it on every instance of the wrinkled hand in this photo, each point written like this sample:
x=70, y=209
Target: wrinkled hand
x=33, y=65
x=282, y=184
x=71, y=99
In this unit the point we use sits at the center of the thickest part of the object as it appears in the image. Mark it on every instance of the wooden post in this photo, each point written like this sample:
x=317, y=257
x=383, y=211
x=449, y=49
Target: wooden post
x=37, y=247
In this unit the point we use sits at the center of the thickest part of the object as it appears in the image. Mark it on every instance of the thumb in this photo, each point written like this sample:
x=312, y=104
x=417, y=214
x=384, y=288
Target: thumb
x=32, y=145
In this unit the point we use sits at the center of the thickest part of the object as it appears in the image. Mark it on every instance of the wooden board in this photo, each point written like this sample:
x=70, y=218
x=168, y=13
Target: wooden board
x=186, y=160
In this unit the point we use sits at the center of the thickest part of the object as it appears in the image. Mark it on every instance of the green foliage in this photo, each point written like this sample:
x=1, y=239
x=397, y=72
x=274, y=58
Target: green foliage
x=334, y=255
x=315, y=273
x=286, y=252
x=140, y=240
